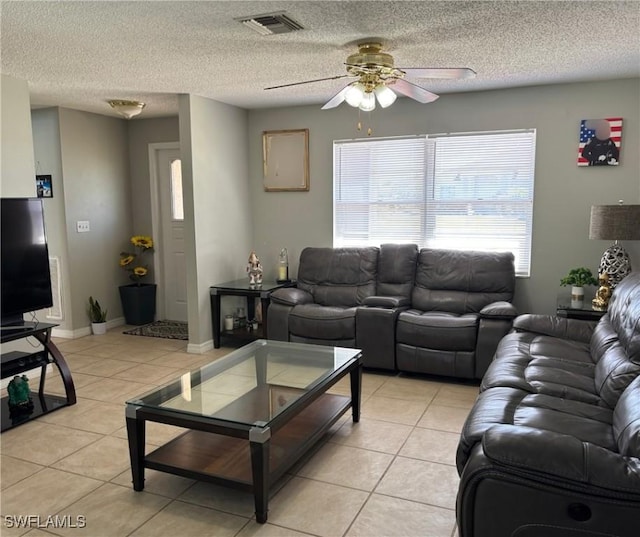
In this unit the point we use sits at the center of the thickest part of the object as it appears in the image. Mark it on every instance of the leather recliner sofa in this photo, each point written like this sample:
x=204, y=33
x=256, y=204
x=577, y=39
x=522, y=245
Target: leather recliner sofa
x=431, y=311
x=551, y=446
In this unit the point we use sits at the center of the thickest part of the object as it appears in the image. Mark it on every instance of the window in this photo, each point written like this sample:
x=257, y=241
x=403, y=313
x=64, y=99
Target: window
x=177, y=205
x=462, y=191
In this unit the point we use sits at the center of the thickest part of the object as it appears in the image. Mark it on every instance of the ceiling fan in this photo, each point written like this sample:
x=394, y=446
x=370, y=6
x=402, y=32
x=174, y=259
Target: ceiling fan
x=376, y=78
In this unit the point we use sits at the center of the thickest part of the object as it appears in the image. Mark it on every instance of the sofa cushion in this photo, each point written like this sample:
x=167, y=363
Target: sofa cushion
x=323, y=322
x=509, y=406
x=584, y=421
x=437, y=330
x=626, y=421
x=613, y=373
x=624, y=315
x=396, y=269
x=462, y=282
x=537, y=363
x=338, y=276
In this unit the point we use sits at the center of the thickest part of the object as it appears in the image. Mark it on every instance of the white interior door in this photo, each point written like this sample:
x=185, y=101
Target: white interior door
x=174, y=275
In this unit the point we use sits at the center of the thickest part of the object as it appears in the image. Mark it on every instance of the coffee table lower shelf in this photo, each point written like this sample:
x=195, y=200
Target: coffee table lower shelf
x=226, y=460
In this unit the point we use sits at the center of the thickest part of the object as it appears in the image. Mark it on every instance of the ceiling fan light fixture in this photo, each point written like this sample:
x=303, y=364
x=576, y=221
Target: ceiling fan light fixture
x=354, y=95
x=127, y=109
x=386, y=96
x=368, y=102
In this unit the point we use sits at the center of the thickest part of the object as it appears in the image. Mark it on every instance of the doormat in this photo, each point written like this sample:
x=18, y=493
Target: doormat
x=165, y=329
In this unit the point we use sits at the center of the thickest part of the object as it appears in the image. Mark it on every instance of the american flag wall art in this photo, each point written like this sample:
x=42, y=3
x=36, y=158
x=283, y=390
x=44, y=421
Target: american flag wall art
x=600, y=141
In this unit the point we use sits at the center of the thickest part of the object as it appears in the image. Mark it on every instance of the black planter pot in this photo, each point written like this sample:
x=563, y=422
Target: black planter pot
x=138, y=303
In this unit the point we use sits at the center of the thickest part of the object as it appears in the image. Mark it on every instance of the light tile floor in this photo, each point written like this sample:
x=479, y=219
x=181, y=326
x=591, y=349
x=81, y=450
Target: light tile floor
x=392, y=474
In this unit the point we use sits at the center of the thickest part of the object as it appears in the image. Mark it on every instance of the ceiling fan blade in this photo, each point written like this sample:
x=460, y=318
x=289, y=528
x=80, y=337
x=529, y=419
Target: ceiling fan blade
x=308, y=82
x=439, y=72
x=337, y=99
x=415, y=92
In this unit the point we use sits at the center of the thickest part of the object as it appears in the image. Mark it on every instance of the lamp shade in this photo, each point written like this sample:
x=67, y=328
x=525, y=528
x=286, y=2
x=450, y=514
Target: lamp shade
x=615, y=222
x=386, y=97
x=354, y=95
x=368, y=102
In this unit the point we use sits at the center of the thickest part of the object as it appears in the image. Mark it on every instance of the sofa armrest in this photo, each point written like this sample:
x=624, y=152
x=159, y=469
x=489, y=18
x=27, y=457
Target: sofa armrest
x=499, y=310
x=561, y=456
x=550, y=325
x=387, y=301
x=291, y=296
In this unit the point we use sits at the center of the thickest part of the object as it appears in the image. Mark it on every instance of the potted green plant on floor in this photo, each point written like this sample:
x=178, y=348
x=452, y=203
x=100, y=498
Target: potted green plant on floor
x=138, y=298
x=97, y=316
x=577, y=279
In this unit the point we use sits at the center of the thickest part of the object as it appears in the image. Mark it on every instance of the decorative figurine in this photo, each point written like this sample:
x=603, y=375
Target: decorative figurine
x=603, y=294
x=254, y=269
x=19, y=394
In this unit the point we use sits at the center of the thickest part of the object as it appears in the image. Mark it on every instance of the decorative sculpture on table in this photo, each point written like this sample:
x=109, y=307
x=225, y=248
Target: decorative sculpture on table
x=603, y=294
x=254, y=269
x=19, y=394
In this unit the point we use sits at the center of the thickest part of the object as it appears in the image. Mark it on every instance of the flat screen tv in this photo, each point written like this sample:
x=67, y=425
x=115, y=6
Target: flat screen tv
x=25, y=277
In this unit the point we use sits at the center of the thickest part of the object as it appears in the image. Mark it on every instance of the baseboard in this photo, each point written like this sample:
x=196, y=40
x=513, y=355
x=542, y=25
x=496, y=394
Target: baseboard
x=200, y=348
x=85, y=330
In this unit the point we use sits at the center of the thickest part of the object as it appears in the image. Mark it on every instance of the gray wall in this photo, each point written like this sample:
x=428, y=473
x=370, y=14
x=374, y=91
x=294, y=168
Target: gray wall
x=218, y=219
x=16, y=153
x=17, y=178
x=46, y=146
x=95, y=163
x=143, y=132
x=563, y=191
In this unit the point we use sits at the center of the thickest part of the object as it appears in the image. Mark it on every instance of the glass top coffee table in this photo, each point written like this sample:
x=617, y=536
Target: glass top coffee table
x=250, y=415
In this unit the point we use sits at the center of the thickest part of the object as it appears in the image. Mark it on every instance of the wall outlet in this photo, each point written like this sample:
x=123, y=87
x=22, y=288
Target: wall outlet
x=83, y=226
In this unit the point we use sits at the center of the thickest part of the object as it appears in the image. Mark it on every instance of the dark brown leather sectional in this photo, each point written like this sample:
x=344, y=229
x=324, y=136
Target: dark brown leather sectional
x=551, y=446
x=433, y=311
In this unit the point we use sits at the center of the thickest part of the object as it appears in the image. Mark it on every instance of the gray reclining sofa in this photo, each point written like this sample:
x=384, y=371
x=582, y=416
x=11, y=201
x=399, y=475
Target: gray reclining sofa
x=431, y=311
x=551, y=447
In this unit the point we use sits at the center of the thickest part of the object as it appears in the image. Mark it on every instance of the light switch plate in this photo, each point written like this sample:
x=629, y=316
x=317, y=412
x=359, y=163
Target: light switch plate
x=83, y=226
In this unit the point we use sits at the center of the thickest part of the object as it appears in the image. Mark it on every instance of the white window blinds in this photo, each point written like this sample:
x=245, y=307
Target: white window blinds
x=460, y=191
x=379, y=191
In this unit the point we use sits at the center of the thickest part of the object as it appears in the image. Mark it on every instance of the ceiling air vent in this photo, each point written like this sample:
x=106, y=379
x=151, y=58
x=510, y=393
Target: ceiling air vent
x=271, y=23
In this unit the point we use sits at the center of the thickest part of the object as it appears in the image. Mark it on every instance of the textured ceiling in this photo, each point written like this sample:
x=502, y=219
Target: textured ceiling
x=80, y=54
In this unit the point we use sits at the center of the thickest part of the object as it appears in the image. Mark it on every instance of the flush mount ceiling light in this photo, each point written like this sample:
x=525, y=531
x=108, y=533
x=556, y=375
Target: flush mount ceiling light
x=127, y=109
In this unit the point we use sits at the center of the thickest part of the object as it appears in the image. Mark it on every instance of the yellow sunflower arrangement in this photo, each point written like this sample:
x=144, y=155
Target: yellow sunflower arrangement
x=133, y=262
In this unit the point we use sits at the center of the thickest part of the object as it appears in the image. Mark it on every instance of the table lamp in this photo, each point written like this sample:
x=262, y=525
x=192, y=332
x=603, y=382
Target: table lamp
x=617, y=223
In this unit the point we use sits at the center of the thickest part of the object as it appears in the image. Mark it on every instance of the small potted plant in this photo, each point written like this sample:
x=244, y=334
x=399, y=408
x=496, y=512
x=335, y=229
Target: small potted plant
x=97, y=316
x=577, y=279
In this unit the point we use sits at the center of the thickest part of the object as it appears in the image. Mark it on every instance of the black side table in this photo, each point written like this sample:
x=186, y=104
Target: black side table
x=242, y=288
x=586, y=313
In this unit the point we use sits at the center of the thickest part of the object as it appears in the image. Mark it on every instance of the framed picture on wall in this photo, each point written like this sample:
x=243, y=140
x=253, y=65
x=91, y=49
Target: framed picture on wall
x=285, y=159
x=600, y=141
x=44, y=188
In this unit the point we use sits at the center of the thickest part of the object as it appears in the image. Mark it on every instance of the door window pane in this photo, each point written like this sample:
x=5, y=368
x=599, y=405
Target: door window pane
x=177, y=207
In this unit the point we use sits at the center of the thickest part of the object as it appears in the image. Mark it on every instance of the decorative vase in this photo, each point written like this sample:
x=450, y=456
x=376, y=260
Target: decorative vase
x=577, y=297
x=138, y=303
x=98, y=328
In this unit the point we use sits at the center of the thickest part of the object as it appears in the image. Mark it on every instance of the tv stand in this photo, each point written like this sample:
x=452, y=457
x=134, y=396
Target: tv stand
x=18, y=362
